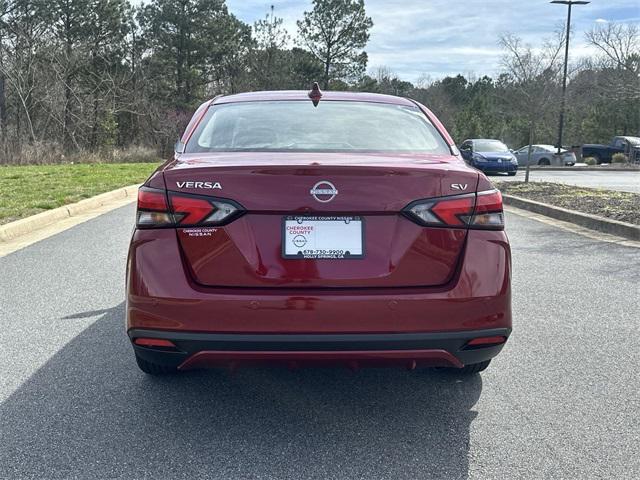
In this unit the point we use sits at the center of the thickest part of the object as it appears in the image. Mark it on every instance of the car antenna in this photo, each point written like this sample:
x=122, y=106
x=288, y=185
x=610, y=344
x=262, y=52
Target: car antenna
x=315, y=94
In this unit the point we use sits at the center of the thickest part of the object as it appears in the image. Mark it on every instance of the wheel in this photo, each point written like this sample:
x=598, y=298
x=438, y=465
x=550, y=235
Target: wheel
x=511, y=174
x=153, y=368
x=544, y=161
x=468, y=369
x=597, y=158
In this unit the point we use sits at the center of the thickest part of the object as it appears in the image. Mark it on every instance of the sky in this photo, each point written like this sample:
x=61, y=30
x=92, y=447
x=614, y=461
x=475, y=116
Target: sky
x=436, y=38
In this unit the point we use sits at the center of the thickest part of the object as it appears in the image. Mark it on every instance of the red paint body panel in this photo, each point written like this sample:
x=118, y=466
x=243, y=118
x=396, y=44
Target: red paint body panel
x=162, y=295
x=248, y=253
x=303, y=95
x=280, y=181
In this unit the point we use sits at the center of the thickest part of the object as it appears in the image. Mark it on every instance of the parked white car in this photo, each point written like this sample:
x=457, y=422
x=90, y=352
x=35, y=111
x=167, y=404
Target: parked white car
x=545, y=155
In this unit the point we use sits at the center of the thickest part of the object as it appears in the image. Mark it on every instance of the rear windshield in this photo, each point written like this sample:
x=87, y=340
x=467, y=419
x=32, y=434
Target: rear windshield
x=331, y=126
x=489, y=146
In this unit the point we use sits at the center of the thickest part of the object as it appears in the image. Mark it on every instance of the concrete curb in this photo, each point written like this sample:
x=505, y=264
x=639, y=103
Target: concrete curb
x=581, y=169
x=594, y=222
x=35, y=222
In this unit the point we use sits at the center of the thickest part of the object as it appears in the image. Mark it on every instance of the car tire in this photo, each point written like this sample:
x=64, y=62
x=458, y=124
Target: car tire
x=545, y=162
x=597, y=158
x=153, y=368
x=467, y=369
x=511, y=174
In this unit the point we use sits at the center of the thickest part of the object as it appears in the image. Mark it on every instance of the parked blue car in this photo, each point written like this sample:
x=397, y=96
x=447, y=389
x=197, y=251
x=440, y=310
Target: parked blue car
x=490, y=156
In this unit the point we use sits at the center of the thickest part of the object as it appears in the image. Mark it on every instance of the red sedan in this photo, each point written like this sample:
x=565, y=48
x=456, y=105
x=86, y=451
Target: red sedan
x=317, y=228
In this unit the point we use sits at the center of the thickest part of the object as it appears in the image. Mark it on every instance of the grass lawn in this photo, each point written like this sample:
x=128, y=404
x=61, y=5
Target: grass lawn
x=623, y=206
x=26, y=190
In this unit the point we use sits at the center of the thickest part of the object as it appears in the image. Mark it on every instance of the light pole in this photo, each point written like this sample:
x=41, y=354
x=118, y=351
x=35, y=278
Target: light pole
x=569, y=4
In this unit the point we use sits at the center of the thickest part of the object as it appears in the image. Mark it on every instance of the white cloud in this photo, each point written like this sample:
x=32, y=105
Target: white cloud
x=601, y=20
x=442, y=37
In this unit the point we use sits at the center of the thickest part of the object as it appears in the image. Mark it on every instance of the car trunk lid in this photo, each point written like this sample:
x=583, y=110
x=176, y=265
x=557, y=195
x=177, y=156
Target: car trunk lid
x=370, y=189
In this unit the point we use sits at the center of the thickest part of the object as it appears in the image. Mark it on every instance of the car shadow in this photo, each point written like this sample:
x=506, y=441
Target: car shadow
x=89, y=412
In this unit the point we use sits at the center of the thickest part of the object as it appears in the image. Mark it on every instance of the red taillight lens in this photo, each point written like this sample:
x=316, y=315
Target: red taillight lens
x=152, y=199
x=152, y=208
x=190, y=211
x=488, y=212
x=454, y=211
x=194, y=210
x=482, y=210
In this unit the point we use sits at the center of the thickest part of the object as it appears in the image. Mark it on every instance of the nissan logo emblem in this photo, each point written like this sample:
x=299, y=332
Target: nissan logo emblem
x=324, y=191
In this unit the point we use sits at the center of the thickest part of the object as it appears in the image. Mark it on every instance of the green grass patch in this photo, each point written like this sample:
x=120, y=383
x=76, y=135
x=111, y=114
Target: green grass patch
x=27, y=190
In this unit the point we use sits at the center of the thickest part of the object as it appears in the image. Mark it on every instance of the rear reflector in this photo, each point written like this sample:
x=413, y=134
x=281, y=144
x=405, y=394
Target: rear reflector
x=481, y=211
x=485, y=341
x=154, y=342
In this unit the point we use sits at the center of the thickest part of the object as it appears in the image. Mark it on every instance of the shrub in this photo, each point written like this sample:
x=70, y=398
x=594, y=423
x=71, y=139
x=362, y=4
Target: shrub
x=590, y=161
x=46, y=153
x=619, y=158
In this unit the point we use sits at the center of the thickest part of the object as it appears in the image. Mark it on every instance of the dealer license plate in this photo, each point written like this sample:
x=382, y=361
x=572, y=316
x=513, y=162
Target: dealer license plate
x=323, y=237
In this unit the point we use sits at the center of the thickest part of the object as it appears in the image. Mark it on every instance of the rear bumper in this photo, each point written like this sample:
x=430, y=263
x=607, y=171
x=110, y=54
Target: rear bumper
x=197, y=350
x=408, y=326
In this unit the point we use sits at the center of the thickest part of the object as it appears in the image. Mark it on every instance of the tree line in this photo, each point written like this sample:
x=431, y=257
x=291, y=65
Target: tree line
x=82, y=77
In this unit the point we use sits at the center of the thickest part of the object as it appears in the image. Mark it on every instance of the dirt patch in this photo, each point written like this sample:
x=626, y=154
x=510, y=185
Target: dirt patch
x=623, y=206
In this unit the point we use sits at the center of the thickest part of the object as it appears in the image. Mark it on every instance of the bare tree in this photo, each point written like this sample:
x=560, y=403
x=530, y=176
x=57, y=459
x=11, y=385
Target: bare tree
x=620, y=43
x=534, y=77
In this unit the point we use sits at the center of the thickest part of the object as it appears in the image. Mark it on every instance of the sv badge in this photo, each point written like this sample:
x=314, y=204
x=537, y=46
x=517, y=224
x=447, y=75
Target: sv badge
x=459, y=186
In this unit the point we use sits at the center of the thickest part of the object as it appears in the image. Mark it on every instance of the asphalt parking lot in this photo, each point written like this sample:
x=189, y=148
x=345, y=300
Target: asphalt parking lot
x=561, y=401
x=624, y=181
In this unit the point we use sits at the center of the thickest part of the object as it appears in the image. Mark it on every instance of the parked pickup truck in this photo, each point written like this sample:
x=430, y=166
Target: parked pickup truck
x=603, y=153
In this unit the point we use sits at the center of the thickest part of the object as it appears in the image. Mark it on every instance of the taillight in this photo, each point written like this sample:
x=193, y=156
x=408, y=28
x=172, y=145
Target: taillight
x=488, y=212
x=182, y=210
x=443, y=212
x=482, y=210
x=152, y=208
x=193, y=210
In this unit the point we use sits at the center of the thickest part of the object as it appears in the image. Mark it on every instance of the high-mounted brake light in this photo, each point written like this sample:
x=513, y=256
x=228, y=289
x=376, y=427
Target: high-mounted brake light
x=315, y=94
x=479, y=211
x=182, y=210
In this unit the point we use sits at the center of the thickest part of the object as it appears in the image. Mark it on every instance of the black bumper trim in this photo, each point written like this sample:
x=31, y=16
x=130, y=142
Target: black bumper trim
x=189, y=343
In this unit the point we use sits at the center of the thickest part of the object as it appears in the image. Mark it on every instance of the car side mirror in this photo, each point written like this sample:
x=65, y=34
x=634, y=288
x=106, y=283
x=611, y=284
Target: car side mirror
x=178, y=147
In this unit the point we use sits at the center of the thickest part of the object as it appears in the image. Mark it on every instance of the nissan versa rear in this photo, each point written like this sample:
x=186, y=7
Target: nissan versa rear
x=301, y=229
